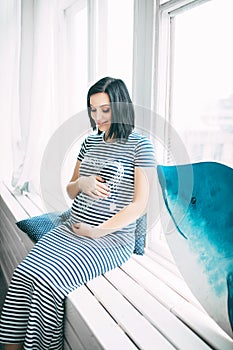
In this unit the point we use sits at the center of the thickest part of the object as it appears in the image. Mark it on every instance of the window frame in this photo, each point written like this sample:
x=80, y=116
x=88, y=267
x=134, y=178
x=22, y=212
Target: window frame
x=163, y=65
x=166, y=10
x=71, y=7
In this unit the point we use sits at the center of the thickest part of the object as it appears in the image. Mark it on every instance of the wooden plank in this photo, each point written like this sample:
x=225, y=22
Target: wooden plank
x=14, y=243
x=36, y=200
x=96, y=328
x=10, y=260
x=167, y=324
x=72, y=337
x=174, y=282
x=169, y=265
x=66, y=345
x=161, y=249
x=194, y=318
x=25, y=202
x=11, y=241
x=14, y=207
x=139, y=329
x=28, y=205
x=6, y=266
x=164, y=294
x=205, y=326
x=13, y=231
x=33, y=200
x=13, y=248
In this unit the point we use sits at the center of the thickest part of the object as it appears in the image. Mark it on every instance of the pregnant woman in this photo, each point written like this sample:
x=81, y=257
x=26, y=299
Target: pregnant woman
x=110, y=188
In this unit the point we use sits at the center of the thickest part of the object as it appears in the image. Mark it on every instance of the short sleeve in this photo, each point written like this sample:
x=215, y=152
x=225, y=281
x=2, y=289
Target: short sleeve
x=144, y=154
x=82, y=150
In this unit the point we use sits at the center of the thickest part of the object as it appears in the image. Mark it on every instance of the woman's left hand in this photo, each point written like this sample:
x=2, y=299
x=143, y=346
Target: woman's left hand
x=82, y=229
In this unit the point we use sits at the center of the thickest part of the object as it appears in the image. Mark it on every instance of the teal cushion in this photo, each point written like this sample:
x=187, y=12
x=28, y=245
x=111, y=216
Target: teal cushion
x=140, y=235
x=37, y=226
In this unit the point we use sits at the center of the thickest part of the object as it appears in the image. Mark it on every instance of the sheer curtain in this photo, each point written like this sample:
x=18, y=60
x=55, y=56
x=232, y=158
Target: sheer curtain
x=10, y=14
x=34, y=72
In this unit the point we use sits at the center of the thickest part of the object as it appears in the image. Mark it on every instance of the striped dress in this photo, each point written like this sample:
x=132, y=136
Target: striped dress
x=61, y=261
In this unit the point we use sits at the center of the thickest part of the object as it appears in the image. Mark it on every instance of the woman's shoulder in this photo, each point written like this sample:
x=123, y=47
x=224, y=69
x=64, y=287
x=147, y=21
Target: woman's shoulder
x=144, y=153
x=93, y=138
x=138, y=138
x=141, y=142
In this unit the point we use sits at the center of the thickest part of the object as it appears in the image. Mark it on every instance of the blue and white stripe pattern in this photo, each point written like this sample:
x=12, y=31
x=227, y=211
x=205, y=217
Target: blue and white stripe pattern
x=62, y=261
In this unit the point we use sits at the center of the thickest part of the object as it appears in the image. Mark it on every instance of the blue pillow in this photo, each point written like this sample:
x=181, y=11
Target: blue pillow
x=140, y=235
x=37, y=226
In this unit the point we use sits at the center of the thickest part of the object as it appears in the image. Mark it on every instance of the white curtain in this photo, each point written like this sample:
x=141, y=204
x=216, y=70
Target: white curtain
x=34, y=74
x=10, y=14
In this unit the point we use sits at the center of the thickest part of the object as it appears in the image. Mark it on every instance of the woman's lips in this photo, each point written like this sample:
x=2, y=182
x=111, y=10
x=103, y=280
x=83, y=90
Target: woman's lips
x=101, y=124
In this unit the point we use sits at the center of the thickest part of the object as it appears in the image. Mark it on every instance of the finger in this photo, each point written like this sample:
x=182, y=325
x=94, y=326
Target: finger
x=76, y=225
x=74, y=229
x=99, y=178
x=102, y=187
x=102, y=193
x=101, y=184
x=93, y=194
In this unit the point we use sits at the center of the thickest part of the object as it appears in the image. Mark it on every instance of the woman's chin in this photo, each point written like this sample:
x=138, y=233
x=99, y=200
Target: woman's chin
x=103, y=128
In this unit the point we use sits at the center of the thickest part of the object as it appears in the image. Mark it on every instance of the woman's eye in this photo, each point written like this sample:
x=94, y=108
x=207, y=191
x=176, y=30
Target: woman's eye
x=103, y=110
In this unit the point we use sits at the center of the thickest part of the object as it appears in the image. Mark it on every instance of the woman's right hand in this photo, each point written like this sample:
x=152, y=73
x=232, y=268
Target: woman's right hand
x=94, y=186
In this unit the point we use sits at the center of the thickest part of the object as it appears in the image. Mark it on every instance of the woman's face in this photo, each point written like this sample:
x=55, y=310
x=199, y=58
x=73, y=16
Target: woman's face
x=101, y=110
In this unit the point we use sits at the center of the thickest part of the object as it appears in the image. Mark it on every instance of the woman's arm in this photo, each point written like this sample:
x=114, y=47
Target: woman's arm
x=73, y=186
x=143, y=178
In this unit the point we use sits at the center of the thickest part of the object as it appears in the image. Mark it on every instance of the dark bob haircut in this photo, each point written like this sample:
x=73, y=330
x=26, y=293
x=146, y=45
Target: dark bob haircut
x=121, y=106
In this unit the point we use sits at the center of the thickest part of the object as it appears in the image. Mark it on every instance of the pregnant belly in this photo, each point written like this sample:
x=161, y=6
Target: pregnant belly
x=91, y=211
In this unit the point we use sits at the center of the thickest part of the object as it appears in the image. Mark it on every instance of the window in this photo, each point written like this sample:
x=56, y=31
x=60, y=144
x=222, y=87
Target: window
x=202, y=91
x=195, y=73
x=99, y=38
x=193, y=88
x=114, y=42
x=76, y=21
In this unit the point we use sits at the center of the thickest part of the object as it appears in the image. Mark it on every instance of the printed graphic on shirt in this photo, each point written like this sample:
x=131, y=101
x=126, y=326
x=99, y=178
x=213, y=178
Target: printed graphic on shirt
x=111, y=171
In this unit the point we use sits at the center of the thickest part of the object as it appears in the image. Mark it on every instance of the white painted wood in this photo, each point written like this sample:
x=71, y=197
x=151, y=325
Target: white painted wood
x=164, y=294
x=144, y=335
x=169, y=265
x=15, y=208
x=203, y=325
x=142, y=303
x=71, y=7
x=199, y=321
x=143, y=58
x=177, y=6
x=98, y=322
x=72, y=340
x=66, y=345
x=28, y=205
x=14, y=243
x=161, y=249
x=7, y=267
x=174, y=282
x=29, y=208
x=36, y=200
x=170, y=326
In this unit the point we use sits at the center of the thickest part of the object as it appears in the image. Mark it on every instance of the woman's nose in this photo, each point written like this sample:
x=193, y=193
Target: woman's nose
x=98, y=115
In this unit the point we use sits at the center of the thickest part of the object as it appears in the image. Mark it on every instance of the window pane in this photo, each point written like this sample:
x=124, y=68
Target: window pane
x=116, y=43
x=202, y=103
x=77, y=61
